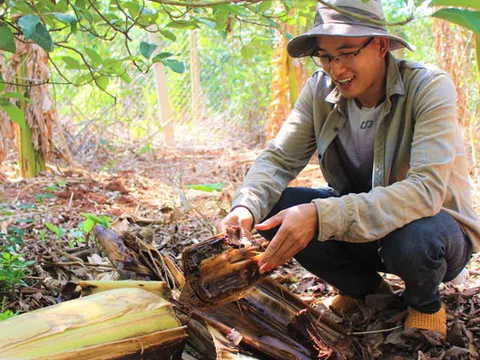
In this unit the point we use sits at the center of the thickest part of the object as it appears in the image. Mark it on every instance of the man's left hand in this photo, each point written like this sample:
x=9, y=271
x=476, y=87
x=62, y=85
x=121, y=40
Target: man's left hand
x=298, y=225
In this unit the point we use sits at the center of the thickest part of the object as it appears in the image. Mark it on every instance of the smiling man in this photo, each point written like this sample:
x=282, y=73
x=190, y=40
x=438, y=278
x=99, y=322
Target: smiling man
x=393, y=155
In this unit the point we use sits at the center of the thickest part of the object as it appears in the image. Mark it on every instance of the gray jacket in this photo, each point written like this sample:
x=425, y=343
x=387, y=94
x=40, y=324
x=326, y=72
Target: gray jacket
x=420, y=163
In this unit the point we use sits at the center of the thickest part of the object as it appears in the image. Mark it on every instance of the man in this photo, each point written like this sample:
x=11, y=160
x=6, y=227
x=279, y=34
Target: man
x=392, y=152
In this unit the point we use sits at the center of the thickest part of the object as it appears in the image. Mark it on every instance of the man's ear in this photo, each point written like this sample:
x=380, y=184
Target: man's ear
x=384, y=45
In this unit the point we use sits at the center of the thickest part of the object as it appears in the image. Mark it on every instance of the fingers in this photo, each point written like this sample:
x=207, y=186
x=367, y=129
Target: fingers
x=246, y=223
x=271, y=222
x=298, y=226
x=281, y=249
x=238, y=216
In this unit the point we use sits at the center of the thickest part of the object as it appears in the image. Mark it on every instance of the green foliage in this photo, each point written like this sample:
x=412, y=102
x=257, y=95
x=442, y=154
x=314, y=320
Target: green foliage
x=175, y=65
x=207, y=187
x=147, y=49
x=465, y=18
x=475, y=4
x=77, y=33
x=13, y=268
x=33, y=29
x=56, y=230
x=6, y=315
x=93, y=220
x=7, y=41
x=14, y=112
x=74, y=237
x=41, y=197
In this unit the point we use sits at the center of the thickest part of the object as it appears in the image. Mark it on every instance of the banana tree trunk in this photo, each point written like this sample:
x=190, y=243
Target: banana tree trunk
x=114, y=324
x=31, y=161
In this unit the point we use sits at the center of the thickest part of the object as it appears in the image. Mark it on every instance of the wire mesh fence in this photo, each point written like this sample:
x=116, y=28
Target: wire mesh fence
x=214, y=100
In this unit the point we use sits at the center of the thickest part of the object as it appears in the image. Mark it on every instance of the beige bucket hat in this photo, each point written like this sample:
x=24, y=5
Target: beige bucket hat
x=329, y=22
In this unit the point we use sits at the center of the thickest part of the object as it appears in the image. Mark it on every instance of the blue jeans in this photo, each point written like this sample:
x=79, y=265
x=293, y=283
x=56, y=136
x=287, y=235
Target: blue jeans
x=423, y=253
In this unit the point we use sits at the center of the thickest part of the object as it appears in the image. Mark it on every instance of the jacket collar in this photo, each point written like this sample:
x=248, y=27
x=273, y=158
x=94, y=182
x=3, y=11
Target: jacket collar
x=393, y=84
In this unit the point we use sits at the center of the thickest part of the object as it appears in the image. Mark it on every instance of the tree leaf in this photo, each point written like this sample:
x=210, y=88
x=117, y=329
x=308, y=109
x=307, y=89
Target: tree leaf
x=474, y=4
x=168, y=34
x=103, y=81
x=133, y=8
x=207, y=187
x=42, y=37
x=85, y=78
x=247, y=52
x=147, y=49
x=28, y=25
x=175, y=65
x=7, y=42
x=183, y=24
x=126, y=78
x=160, y=56
x=15, y=114
x=65, y=18
x=94, y=56
x=221, y=17
x=466, y=18
x=14, y=95
x=264, y=6
x=72, y=63
x=231, y=8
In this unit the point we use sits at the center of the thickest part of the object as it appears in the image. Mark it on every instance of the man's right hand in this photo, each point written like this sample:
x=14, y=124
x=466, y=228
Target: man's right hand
x=238, y=216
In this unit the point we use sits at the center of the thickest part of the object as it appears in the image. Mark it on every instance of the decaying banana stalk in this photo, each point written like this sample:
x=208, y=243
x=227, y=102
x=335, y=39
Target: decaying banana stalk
x=223, y=269
x=113, y=324
x=159, y=288
x=220, y=269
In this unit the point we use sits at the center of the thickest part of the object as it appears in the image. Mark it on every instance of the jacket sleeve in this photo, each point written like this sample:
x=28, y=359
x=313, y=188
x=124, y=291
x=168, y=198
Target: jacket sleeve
x=286, y=155
x=371, y=216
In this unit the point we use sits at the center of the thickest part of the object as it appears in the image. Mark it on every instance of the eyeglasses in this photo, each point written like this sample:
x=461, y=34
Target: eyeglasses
x=345, y=59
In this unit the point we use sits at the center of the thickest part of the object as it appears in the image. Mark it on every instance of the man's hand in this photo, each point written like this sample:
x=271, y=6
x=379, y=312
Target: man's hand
x=298, y=226
x=238, y=216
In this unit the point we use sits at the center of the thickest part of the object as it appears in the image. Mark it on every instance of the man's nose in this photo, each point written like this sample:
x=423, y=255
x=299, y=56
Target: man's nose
x=335, y=68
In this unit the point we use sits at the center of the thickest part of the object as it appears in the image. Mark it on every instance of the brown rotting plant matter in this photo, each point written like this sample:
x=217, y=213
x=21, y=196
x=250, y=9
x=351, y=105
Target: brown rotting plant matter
x=221, y=269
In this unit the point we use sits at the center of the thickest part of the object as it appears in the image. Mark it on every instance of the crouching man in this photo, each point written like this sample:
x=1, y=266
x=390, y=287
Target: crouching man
x=393, y=154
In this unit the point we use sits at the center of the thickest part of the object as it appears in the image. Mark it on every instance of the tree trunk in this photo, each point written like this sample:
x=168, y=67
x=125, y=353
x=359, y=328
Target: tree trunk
x=28, y=69
x=287, y=81
x=454, y=46
x=31, y=161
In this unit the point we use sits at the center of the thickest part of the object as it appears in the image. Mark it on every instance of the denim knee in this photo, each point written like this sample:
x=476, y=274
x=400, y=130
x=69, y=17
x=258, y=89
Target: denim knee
x=413, y=249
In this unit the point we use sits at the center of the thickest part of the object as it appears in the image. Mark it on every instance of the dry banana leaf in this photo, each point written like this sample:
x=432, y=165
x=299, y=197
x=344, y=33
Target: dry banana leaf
x=113, y=324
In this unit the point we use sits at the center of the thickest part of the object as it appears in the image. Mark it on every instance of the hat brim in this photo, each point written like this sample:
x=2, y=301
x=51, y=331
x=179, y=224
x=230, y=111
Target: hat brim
x=306, y=44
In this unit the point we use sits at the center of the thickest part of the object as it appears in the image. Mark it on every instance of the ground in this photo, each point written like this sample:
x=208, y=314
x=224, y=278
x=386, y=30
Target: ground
x=48, y=214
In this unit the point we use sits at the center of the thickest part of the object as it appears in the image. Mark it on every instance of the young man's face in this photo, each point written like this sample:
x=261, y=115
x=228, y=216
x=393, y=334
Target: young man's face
x=361, y=75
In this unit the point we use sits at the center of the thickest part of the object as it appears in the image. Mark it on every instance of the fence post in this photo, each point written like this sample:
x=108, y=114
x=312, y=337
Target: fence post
x=164, y=115
x=195, y=76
